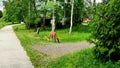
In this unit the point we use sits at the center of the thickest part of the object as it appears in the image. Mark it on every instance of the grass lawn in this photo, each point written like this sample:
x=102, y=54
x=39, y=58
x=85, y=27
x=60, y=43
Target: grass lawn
x=29, y=38
x=81, y=59
x=2, y=24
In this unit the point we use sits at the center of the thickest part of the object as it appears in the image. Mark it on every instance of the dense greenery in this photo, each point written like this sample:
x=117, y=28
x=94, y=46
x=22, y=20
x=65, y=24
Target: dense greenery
x=78, y=11
x=105, y=24
x=29, y=11
x=106, y=31
x=12, y=11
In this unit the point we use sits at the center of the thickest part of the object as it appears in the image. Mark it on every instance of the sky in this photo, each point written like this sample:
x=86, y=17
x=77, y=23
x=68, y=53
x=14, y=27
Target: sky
x=1, y=5
x=98, y=0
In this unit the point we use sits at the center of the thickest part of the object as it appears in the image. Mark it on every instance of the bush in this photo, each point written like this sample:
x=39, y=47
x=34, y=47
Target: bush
x=106, y=31
x=31, y=22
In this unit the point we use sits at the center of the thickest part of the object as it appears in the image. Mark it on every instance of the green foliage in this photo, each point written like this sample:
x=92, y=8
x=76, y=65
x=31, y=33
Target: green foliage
x=1, y=14
x=106, y=31
x=12, y=11
x=106, y=1
x=22, y=10
x=78, y=11
x=89, y=9
x=36, y=20
x=31, y=22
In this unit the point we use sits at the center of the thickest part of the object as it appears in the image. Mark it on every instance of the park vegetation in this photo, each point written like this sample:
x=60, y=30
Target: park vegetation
x=34, y=13
x=66, y=18
x=106, y=31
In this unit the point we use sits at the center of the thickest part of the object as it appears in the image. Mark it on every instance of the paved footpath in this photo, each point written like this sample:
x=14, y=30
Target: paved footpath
x=12, y=54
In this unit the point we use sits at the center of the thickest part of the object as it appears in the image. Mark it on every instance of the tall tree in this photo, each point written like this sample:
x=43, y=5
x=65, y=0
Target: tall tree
x=31, y=18
x=71, y=22
x=12, y=11
x=78, y=11
x=94, y=5
x=105, y=1
x=88, y=8
x=44, y=13
x=53, y=19
x=65, y=11
x=106, y=31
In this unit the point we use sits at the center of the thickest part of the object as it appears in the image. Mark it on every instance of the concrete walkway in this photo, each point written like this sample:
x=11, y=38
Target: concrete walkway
x=12, y=54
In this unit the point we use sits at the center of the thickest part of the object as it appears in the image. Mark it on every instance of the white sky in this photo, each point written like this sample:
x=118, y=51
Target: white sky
x=98, y=0
x=1, y=5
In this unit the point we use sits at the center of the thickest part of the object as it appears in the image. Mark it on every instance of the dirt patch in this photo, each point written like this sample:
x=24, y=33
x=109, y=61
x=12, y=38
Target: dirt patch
x=62, y=48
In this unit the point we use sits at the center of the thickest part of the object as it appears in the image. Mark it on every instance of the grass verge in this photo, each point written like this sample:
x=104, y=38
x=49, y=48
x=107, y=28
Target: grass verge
x=2, y=24
x=81, y=59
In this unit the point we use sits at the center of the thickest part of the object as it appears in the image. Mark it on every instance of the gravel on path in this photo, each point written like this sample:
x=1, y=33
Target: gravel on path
x=62, y=48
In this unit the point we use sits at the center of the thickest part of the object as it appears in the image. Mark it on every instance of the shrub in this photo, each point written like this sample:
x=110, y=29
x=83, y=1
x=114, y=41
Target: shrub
x=106, y=31
x=31, y=22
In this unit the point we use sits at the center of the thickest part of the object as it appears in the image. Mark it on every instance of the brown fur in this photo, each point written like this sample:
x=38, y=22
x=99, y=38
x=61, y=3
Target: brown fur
x=54, y=36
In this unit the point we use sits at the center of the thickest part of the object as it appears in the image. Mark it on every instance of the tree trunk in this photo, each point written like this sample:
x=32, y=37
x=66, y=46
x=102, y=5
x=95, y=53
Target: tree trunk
x=53, y=20
x=29, y=9
x=38, y=30
x=65, y=1
x=35, y=10
x=105, y=1
x=71, y=22
x=48, y=1
x=44, y=16
x=64, y=19
x=94, y=5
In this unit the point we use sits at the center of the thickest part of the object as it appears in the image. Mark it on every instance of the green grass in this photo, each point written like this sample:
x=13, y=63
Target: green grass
x=2, y=24
x=29, y=38
x=81, y=59
x=80, y=33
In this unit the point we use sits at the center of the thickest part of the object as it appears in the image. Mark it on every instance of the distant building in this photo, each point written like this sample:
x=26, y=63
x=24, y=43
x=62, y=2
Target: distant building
x=86, y=20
